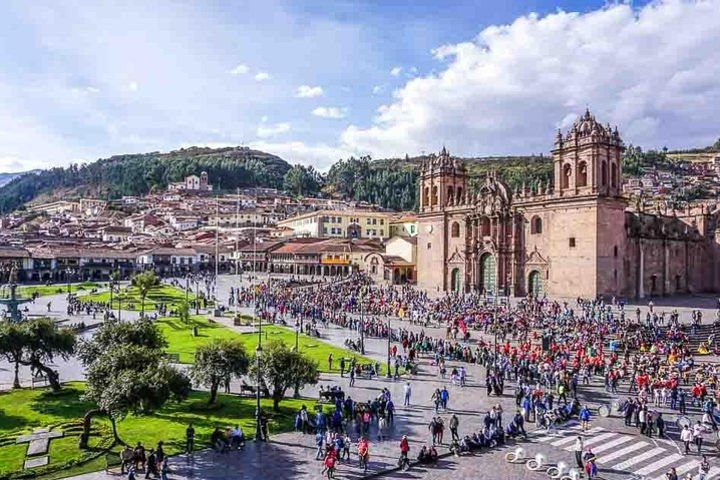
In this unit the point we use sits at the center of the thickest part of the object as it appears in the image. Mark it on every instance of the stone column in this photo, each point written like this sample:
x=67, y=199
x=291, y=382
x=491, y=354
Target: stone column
x=666, y=267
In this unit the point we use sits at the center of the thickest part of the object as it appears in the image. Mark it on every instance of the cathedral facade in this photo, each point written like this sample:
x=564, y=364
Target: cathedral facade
x=577, y=237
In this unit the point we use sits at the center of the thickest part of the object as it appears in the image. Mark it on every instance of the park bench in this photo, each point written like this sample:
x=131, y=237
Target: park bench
x=38, y=379
x=173, y=357
x=112, y=461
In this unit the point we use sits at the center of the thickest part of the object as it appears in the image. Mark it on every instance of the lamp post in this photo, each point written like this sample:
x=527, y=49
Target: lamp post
x=362, y=323
x=68, y=273
x=388, y=350
x=197, y=296
x=298, y=327
x=258, y=353
x=119, y=302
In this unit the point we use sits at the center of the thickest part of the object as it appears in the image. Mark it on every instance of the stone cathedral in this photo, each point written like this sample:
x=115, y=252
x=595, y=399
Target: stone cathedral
x=577, y=237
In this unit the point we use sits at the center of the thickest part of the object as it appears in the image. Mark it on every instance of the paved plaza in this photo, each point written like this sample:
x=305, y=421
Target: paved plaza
x=621, y=450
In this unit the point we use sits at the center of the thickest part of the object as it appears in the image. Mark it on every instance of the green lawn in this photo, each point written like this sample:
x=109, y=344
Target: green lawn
x=23, y=410
x=181, y=341
x=130, y=297
x=57, y=288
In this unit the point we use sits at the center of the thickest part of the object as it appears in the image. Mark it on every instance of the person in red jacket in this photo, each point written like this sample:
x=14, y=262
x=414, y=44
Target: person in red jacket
x=404, y=449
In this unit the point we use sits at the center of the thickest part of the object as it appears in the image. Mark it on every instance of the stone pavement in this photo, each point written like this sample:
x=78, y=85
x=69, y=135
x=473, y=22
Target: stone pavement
x=291, y=455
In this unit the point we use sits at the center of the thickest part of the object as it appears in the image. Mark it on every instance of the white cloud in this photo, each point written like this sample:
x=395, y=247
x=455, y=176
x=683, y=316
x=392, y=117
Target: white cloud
x=320, y=155
x=330, y=112
x=240, y=69
x=306, y=91
x=377, y=89
x=262, y=76
x=133, y=86
x=652, y=71
x=395, y=71
x=273, y=130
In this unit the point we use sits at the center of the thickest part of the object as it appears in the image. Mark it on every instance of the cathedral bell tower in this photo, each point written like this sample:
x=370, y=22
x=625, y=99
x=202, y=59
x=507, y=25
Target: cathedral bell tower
x=588, y=159
x=443, y=182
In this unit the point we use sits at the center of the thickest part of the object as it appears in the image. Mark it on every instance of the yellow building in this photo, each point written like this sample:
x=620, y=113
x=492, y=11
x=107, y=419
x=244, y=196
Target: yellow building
x=340, y=224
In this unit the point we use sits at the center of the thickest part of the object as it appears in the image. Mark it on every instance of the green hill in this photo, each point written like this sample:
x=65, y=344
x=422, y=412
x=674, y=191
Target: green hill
x=137, y=174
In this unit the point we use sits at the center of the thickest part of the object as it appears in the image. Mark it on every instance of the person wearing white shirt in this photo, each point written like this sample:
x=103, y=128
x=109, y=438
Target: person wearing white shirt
x=698, y=430
x=686, y=436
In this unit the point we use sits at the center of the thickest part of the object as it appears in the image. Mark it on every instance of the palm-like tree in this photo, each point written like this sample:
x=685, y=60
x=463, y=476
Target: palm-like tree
x=144, y=282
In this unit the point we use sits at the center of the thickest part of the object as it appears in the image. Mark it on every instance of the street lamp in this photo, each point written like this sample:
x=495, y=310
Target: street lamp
x=362, y=324
x=388, y=349
x=258, y=353
x=68, y=273
x=298, y=327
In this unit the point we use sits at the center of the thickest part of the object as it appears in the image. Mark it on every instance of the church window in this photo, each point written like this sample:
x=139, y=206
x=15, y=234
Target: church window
x=615, y=251
x=536, y=225
x=614, y=175
x=434, y=195
x=485, y=227
x=603, y=174
x=455, y=230
x=459, y=194
x=571, y=243
x=567, y=173
x=429, y=245
x=426, y=196
x=450, y=195
x=582, y=175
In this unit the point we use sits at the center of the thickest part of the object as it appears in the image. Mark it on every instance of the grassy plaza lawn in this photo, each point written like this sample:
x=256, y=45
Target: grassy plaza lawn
x=23, y=410
x=26, y=291
x=182, y=342
x=130, y=297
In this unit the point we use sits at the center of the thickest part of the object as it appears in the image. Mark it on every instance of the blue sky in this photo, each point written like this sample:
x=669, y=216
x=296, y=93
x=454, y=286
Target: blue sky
x=314, y=81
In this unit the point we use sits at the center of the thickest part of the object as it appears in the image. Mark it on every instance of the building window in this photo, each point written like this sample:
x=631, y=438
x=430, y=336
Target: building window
x=572, y=242
x=382, y=232
x=615, y=251
x=536, y=225
x=412, y=228
x=382, y=221
x=582, y=175
x=455, y=230
x=429, y=246
x=566, y=174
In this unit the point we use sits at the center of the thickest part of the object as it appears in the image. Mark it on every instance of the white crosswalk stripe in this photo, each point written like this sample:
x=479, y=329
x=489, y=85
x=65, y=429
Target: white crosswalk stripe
x=659, y=464
x=638, y=458
x=613, y=444
x=544, y=435
x=572, y=438
x=713, y=473
x=682, y=469
x=594, y=440
x=621, y=453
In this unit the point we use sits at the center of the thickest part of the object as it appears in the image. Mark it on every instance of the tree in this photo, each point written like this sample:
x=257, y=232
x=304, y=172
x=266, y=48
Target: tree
x=302, y=180
x=144, y=282
x=282, y=368
x=43, y=342
x=13, y=338
x=184, y=312
x=126, y=372
x=716, y=145
x=217, y=363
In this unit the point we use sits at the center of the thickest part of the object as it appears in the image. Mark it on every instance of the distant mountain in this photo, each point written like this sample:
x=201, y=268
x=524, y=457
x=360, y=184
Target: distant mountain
x=138, y=174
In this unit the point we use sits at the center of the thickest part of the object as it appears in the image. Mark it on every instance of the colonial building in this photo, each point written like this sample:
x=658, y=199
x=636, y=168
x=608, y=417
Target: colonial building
x=576, y=237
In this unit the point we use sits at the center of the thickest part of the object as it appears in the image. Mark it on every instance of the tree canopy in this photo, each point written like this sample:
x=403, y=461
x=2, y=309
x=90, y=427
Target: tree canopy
x=217, y=363
x=282, y=368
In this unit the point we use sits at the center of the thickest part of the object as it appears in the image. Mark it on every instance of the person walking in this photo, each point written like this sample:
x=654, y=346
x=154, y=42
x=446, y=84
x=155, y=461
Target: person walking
x=578, y=451
x=686, y=436
x=189, y=439
x=408, y=391
x=454, y=423
x=698, y=430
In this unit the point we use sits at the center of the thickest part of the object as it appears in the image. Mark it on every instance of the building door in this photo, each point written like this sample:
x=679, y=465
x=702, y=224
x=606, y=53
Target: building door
x=535, y=284
x=455, y=280
x=487, y=273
